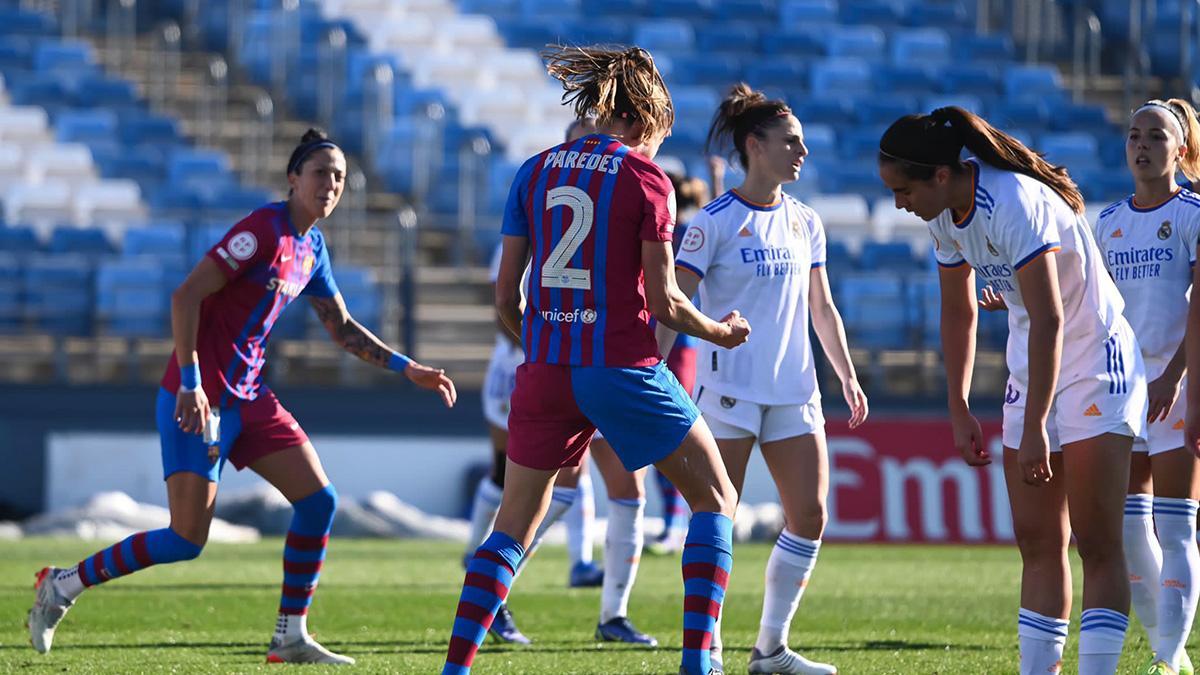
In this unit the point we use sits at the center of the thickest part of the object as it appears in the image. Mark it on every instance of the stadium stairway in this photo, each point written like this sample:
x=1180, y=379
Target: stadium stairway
x=454, y=322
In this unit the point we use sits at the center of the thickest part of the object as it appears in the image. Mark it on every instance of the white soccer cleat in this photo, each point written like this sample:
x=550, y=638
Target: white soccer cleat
x=787, y=662
x=304, y=650
x=49, y=608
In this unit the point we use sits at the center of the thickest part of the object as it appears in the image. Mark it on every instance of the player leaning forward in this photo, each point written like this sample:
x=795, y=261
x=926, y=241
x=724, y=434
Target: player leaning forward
x=1076, y=395
x=221, y=318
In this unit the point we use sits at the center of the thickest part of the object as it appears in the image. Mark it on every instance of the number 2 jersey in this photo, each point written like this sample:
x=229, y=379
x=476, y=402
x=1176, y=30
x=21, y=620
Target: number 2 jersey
x=586, y=206
x=1150, y=252
x=1014, y=220
x=266, y=265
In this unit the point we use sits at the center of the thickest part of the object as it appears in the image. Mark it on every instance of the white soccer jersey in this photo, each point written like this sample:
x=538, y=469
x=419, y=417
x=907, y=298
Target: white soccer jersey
x=1014, y=220
x=1150, y=252
x=757, y=259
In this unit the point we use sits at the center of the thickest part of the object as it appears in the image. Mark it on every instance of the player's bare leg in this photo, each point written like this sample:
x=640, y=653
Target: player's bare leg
x=696, y=469
x=1040, y=525
x=800, y=467
x=1097, y=474
x=622, y=546
x=297, y=473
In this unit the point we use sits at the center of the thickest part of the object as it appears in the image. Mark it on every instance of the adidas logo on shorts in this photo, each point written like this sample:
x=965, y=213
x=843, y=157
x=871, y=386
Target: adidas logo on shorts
x=1092, y=411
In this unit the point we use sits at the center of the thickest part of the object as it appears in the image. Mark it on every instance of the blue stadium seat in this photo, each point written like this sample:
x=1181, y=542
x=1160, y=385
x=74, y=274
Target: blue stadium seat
x=910, y=79
x=64, y=56
x=821, y=140
x=18, y=22
x=11, y=301
x=818, y=110
x=972, y=103
x=874, y=309
x=762, y=11
x=977, y=79
x=148, y=128
x=691, y=10
x=861, y=141
x=1074, y=150
x=719, y=70
x=1102, y=185
x=921, y=46
x=105, y=92
x=836, y=77
x=694, y=105
x=865, y=42
x=1090, y=117
x=188, y=164
x=885, y=110
x=780, y=70
x=992, y=48
x=924, y=295
x=805, y=14
x=551, y=8
x=838, y=258
x=804, y=41
x=738, y=37
x=58, y=293
x=877, y=12
x=528, y=33
x=1032, y=82
x=617, y=8
x=79, y=240
x=599, y=31
x=950, y=15
x=131, y=297
x=887, y=255
x=84, y=126
x=1026, y=114
x=673, y=36
x=18, y=239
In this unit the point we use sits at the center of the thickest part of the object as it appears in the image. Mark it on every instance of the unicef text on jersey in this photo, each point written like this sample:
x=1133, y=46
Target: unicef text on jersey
x=573, y=316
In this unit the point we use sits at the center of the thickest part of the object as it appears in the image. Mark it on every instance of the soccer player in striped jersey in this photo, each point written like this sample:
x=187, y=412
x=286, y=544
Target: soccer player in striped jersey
x=573, y=497
x=596, y=218
x=1076, y=395
x=757, y=248
x=221, y=318
x=1149, y=244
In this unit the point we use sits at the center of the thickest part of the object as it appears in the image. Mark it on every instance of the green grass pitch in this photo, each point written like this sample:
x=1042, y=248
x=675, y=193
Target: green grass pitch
x=868, y=609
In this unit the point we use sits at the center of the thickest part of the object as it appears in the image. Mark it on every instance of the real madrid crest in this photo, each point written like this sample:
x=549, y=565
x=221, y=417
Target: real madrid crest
x=795, y=223
x=992, y=249
x=1164, y=230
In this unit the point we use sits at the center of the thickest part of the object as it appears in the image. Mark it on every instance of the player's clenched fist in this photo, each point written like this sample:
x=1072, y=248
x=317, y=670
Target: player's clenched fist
x=738, y=330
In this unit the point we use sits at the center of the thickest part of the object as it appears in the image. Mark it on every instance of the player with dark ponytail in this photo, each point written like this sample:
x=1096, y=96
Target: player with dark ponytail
x=1076, y=394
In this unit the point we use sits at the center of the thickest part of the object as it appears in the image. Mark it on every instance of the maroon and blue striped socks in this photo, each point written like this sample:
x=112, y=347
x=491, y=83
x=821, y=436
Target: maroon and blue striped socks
x=489, y=576
x=707, y=561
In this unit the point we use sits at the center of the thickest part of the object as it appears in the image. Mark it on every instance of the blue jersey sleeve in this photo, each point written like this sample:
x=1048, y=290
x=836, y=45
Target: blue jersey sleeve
x=321, y=283
x=516, y=221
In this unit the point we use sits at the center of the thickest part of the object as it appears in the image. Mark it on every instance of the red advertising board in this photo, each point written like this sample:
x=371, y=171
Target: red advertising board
x=900, y=479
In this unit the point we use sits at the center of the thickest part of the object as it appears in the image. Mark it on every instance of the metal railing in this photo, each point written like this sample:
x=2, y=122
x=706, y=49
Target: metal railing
x=1085, y=52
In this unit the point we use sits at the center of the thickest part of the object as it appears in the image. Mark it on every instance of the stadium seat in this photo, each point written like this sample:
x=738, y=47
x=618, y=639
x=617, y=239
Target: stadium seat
x=876, y=12
x=949, y=15
x=886, y=255
x=1033, y=82
x=977, y=79
x=18, y=239
x=673, y=36
x=69, y=56
x=737, y=37
x=58, y=294
x=691, y=10
x=905, y=79
x=921, y=46
x=131, y=297
x=11, y=302
x=864, y=42
x=83, y=126
x=1075, y=150
x=807, y=13
x=844, y=216
x=65, y=161
x=844, y=76
x=116, y=202
x=79, y=240
x=800, y=41
x=44, y=205
x=874, y=310
x=992, y=48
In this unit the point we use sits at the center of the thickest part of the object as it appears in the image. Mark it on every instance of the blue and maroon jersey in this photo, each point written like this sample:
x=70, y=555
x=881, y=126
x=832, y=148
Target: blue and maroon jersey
x=586, y=207
x=267, y=265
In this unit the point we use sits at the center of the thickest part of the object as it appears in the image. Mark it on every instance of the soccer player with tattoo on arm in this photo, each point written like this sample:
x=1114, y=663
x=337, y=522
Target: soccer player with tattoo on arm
x=221, y=319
